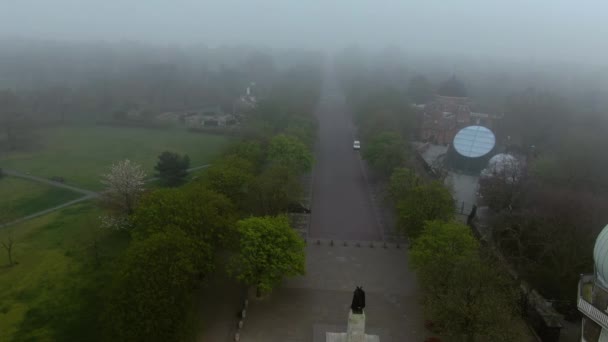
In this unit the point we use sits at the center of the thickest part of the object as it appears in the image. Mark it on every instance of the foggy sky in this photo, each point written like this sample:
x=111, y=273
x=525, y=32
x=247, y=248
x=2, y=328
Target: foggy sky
x=559, y=30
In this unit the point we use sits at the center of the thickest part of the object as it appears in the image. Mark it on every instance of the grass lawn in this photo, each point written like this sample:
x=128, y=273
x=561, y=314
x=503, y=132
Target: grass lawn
x=22, y=197
x=51, y=252
x=81, y=154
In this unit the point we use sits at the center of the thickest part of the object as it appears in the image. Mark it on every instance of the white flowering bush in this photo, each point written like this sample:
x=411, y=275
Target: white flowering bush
x=124, y=185
x=114, y=222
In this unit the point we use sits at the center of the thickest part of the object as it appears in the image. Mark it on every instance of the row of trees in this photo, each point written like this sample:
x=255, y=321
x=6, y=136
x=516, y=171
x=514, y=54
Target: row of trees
x=237, y=207
x=466, y=296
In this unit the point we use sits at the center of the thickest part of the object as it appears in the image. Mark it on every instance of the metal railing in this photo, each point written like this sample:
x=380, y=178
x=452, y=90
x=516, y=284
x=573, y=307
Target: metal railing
x=586, y=308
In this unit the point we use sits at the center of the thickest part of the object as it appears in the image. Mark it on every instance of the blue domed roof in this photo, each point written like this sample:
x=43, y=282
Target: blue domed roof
x=600, y=257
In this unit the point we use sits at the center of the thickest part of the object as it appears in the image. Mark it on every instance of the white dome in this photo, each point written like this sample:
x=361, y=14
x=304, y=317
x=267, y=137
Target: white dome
x=504, y=165
x=600, y=257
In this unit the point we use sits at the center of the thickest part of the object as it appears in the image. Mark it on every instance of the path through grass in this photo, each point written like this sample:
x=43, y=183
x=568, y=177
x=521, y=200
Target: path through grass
x=20, y=197
x=80, y=154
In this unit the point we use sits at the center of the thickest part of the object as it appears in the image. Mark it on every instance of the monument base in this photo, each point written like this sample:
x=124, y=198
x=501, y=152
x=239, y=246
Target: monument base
x=355, y=331
x=343, y=337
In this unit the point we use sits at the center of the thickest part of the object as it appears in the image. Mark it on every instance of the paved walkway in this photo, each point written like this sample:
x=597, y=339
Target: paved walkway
x=50, y=182
x=46, y=211
x=307, y=307
x=343, y=208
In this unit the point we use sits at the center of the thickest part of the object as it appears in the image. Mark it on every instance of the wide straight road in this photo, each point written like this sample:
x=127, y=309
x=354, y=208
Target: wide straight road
x=342, y=208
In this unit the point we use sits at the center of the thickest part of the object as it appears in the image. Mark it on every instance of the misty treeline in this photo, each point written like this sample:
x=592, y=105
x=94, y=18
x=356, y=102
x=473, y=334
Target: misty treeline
x=43, y=82
x=545, y=222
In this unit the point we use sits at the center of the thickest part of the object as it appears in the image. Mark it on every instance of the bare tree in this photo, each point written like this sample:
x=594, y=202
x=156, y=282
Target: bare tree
x=8, y=245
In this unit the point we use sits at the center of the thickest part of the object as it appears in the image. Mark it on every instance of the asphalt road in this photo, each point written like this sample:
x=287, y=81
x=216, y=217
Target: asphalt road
x=341, y=203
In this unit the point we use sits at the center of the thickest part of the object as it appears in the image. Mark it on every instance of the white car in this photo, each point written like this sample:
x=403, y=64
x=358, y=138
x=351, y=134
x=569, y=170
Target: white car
x=356, y=145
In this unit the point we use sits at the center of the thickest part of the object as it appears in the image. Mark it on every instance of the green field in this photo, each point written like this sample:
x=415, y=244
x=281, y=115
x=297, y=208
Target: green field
x=80, y=154
x=20, y=197
x=48, y=282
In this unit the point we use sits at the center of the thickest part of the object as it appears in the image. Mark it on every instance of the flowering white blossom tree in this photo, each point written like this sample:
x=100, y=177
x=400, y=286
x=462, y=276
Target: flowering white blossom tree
x=125, y=184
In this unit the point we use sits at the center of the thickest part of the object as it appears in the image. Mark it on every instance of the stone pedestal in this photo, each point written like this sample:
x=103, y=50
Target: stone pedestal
x=355, y=331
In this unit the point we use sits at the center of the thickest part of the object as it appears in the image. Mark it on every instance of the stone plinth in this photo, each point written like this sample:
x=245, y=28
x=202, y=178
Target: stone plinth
x=355, y=331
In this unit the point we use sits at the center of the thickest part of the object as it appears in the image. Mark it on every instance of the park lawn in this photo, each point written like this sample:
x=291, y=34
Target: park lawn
x=52, y=251
x=21, y=197
x=80, y=154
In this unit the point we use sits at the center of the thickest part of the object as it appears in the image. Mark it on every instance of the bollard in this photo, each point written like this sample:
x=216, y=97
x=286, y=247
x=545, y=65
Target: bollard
x=385, y=246
x=244, y=313
x=345, y=244
x=246, y=303
x=318, y=242
x=358, y=244
x=237, y=336
x=398, y=246
x=241, y=324
x=371, y=245
x=331, y=243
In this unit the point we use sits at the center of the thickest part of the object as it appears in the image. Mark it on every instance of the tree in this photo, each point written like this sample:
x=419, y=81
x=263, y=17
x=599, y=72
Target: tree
x=8, y=244
x=425, y=202
x=402, y=181
x=467, y=296
x=172, y=168
x=535, y=118
x=385, y=152
x=125, y=184
x=274, y=190
x=233, y=177
x=420, y=89
x=268, y=251
x=291, y=153
x=153, y=289
x=548, y=240
x=202, y=214
x=440, y=246
x=11, y=117
x=250, y=150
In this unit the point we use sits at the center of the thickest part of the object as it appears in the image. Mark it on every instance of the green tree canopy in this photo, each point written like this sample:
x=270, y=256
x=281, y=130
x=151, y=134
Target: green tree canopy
x=385, y=152
x=250, y=150
x=402, y=181
x=431, y=201
x=200, y=213
x=291, y=153
x=274, y=190
x=268, y=251
x=233, y=177
x=440, y=246
x=467, y=296
x=153, y=288
x=172, y=168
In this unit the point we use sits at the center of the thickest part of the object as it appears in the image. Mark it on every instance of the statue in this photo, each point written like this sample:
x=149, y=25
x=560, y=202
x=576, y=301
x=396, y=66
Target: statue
x=358, y=301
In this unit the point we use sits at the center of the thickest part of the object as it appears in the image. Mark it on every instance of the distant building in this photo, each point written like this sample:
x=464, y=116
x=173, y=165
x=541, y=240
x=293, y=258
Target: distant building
x=593, y=294
x=448, y=112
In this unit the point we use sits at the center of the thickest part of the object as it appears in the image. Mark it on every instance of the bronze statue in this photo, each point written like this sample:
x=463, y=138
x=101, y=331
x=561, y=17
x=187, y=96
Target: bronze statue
x=358, y=301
